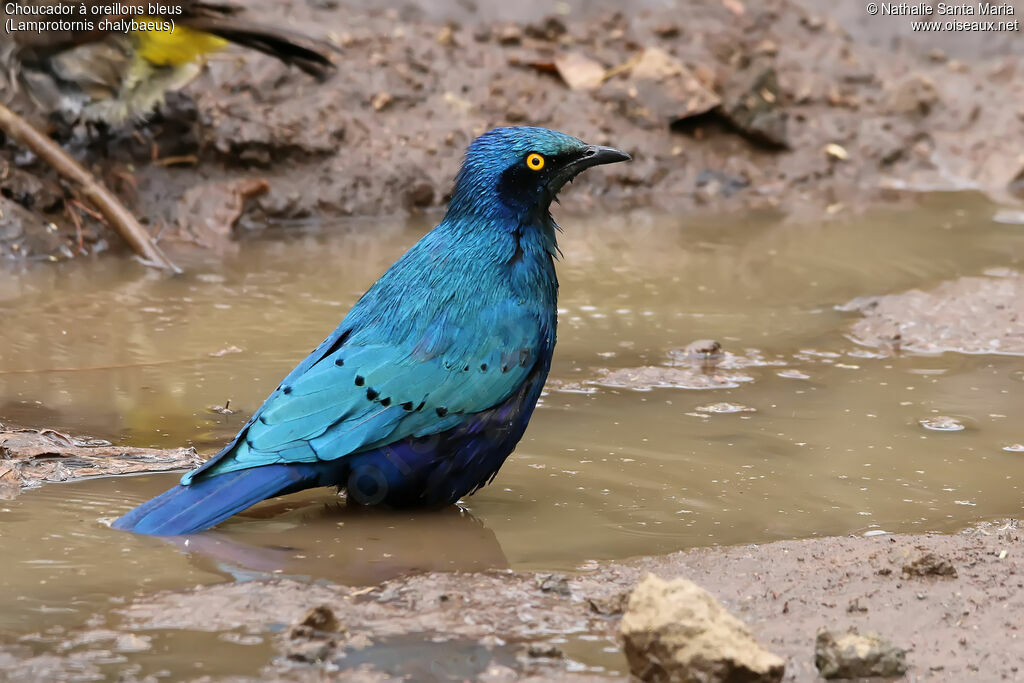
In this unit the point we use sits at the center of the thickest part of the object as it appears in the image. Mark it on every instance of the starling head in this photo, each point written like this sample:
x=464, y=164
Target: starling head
x=520, y=170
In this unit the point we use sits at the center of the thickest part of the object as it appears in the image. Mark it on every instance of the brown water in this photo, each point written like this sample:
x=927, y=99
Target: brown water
x=833, y=444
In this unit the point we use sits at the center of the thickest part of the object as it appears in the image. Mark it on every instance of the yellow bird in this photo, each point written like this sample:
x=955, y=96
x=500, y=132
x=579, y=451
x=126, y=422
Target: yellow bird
x=84, y=62
x=184, y=45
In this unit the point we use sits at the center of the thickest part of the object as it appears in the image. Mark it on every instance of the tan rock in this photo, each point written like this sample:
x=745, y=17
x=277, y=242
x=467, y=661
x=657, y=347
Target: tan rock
x=666, y=90
x=677, y=631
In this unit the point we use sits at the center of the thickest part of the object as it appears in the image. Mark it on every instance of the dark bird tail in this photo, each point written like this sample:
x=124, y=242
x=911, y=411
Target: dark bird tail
x=187, y=509
x=311, y=55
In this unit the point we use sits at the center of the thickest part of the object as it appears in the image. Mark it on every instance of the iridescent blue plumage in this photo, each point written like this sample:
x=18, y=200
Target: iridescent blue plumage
x=424, y=389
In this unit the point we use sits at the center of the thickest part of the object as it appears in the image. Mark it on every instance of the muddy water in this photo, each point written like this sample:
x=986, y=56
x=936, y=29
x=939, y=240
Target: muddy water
x=826, y=437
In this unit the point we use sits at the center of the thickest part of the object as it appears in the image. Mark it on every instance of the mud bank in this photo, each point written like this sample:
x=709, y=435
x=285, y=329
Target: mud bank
x=770, y=105
x=950, y=601
x=30, y=457
x=968, y=315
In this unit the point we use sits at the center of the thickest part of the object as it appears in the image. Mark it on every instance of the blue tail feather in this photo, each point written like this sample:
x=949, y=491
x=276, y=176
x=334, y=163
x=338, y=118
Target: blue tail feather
x=187, y=509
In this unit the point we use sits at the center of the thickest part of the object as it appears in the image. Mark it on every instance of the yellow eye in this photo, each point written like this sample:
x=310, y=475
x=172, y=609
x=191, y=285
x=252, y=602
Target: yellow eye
x=535, y=162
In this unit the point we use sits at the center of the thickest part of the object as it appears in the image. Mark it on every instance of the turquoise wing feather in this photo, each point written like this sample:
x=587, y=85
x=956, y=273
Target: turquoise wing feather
x=350, y=395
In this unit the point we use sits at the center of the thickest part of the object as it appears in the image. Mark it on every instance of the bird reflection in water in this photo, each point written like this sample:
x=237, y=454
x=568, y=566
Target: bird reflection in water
x=347, y=544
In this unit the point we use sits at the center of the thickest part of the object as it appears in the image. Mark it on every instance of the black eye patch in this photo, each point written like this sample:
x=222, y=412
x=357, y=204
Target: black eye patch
x=519, y=184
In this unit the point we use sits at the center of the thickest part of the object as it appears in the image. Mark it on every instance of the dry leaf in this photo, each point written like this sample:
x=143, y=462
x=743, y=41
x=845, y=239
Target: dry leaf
x=579, y=72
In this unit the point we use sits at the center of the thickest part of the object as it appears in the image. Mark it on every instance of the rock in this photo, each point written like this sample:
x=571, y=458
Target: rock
x=914, y=96
x=703, y=350
x=510, y=34
x=550, y=28
x=314, y=637
x=26, y=232
x=676, y=631
x=208, y=213
x=555, y=583
x=131, y=642
x=13, y=218
x=321, y=618
x=930, y=564
x=544, y=651
x=851, y=655
x=609, y=605
x=381, y=101
x=836, y=151
x=661, y=90
x=446, y=36
x=751, y=104
x=942, y=423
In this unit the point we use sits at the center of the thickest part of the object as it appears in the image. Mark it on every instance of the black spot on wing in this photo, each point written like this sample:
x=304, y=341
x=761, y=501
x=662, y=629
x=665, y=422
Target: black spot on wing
x=360, y=380
x=372, y=393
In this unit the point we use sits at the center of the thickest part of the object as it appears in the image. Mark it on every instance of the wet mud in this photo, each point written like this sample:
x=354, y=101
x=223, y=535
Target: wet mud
x=967, y=315
x=781, y=105
x=30, y=457
x=703, y=364
x=949, y=601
